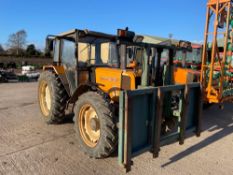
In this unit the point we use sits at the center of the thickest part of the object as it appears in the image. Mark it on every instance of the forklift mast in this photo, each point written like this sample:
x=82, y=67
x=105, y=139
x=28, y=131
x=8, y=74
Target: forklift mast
x=217, y=70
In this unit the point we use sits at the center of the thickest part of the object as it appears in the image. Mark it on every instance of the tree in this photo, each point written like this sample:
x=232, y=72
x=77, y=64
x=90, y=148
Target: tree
x=31, y=50
x=1, y=49
x=17, y=41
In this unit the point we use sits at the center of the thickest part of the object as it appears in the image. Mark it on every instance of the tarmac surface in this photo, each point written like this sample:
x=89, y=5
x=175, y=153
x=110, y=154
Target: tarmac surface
x=28, y=146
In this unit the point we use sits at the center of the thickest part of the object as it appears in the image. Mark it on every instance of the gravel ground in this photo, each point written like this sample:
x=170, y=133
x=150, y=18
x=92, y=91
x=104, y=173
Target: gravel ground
x=29, y=146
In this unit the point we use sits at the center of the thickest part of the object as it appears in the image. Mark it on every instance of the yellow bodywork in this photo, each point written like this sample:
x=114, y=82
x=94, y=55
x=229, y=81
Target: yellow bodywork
x=183, y=76
x=109, y=80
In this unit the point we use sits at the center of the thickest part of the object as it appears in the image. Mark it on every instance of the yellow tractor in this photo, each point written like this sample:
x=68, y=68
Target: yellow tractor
x=124, y=92
x=90, y=71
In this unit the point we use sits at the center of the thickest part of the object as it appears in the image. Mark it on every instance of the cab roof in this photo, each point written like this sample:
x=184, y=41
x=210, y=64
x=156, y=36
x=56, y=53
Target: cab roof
x=83, y=33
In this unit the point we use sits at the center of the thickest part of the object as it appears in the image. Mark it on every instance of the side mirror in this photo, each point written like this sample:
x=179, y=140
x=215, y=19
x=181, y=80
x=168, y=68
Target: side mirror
x=49, y=46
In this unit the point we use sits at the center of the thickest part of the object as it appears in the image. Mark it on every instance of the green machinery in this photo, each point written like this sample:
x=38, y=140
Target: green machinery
x=140, y=119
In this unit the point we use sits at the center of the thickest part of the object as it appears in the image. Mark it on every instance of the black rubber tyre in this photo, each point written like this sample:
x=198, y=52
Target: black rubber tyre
x=58, y=95
x=107, y=141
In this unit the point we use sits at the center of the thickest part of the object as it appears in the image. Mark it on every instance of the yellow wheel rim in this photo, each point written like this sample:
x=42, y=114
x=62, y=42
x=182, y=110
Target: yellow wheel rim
x=45, y=98
x=89, y=125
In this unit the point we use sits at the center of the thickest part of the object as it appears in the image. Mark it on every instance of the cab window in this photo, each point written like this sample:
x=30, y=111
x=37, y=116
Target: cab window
x=68, y=56
x=86, y=53
x=98, y=54
x=56, y=51
x=108, y=54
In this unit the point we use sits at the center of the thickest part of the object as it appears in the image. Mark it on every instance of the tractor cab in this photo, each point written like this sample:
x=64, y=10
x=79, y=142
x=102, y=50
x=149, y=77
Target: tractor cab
x=85, y=60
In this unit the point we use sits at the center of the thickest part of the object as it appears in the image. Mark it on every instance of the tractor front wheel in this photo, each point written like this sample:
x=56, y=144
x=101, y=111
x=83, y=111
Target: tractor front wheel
x=95, y=125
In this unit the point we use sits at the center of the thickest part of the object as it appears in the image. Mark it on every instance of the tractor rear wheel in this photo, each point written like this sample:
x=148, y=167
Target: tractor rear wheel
x=52, y=97
x=95, y=125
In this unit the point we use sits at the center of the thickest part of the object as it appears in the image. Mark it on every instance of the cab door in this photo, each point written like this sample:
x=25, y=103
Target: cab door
x=69, y=62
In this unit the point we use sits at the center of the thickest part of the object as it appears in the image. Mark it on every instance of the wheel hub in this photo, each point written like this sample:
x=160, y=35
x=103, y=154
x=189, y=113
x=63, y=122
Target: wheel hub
x=45, y=98
x=94, y=123
x=48, y=97
x=89, y=125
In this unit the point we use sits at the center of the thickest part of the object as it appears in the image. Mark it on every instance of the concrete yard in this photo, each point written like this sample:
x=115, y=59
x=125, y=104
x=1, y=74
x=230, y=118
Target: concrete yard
x=29, y=146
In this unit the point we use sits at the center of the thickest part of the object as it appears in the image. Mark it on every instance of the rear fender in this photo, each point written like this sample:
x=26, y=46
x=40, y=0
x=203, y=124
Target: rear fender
x=83, y=88
x=59, y=70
